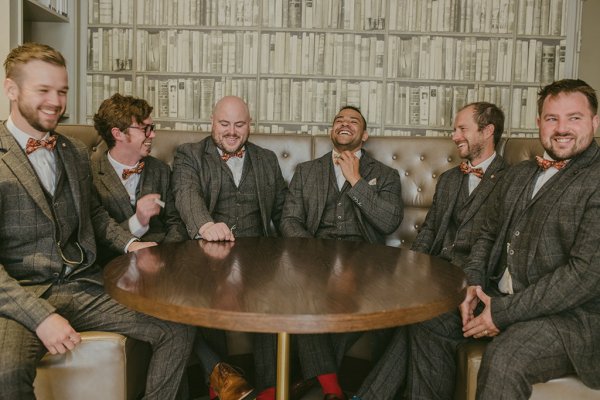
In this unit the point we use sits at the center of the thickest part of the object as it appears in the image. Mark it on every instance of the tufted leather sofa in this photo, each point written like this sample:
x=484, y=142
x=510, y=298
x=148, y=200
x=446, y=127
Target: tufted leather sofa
x=419, y=160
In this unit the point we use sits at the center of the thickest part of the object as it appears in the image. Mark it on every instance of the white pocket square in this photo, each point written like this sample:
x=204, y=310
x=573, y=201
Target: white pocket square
x=373, y=182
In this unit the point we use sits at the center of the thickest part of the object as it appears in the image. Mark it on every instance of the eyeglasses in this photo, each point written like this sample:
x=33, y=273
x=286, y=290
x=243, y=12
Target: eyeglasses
x=148, y=129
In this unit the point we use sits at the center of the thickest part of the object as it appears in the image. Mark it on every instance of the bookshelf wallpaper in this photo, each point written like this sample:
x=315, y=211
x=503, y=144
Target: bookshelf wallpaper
x=408, y=64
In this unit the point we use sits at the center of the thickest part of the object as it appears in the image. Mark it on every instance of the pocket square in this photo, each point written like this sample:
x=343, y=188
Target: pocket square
x=373, y=182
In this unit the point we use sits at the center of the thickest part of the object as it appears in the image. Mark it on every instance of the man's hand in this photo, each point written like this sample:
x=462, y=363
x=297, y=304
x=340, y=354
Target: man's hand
x=147, y=207
x=467, y=307
x=139, y=245
x=57, y=334
x=216, y=232
x=482, y=325
x=349, y=164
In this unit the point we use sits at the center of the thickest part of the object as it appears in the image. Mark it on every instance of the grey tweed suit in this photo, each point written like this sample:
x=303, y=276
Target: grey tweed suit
x=389, y=373
x=550, y=326
x=196, y=183
x=378, y=210
x=32, y=286
x=155, y=178
x=377, y=198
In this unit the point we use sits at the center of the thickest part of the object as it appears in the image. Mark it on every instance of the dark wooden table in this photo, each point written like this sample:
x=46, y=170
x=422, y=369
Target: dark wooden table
x=285, y=285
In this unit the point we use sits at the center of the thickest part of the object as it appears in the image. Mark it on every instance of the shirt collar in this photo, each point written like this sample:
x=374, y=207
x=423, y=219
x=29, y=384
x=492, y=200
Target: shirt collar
x=20, y=136
x=335, y=154
x=118, y=166
x=486, y=163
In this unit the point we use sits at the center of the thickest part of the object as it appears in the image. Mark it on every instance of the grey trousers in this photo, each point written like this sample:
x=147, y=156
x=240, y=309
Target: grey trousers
x=524, y=354
x=87, y=307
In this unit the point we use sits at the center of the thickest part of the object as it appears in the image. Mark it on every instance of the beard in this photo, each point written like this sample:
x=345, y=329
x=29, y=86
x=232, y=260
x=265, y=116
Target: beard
x=30, y=115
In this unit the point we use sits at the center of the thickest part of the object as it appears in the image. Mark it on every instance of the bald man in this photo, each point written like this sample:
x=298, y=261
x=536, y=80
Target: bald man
x=226, y=187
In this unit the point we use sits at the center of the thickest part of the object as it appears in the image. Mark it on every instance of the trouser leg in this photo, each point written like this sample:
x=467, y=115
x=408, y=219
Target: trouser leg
x=432, y=357
x=20, y=352
x=389, y=372
x=526, y=353
x=92, y=309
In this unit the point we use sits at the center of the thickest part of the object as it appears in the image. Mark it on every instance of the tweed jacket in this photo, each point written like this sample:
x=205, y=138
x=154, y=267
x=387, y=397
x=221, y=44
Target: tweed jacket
x=155, y=178
x=29, y=259
x=196, y=184
x=554, y=252
x=376, y=196
x=433, y=231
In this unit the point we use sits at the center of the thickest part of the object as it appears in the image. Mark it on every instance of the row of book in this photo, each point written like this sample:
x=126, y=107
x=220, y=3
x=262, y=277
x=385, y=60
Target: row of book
x=298, y=101
x=59, y=6
x=473, y=59
x=110, y=49
x=110, y=12
x=198, y=12
x=529, y=17
x=187, y=51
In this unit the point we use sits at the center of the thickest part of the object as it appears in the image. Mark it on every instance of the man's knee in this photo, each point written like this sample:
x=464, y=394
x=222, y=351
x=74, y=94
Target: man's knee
x=16, y=378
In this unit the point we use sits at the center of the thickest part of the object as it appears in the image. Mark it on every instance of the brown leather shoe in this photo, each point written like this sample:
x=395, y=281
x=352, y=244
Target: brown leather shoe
x=229, y=383
x=301, y=387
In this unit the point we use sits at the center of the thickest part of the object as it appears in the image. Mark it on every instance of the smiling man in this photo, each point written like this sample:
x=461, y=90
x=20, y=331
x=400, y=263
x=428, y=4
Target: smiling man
x=134, y=187
x=227, y=187
x=344, y=195
x=50, y=283
x=534, y=272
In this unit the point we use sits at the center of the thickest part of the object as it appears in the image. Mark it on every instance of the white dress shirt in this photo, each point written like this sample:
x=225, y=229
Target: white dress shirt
x=474, y=179
x=339, y=175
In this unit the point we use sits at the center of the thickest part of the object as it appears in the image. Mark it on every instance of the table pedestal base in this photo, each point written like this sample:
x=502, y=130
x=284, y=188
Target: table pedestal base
x=283, y=365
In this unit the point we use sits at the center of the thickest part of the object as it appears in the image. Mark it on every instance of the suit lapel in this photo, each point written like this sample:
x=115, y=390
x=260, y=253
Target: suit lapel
x=455, y=181
x=323, y=178
x=483, y=190
x=215, y=172
x=259, y=174
x=110, y=180
x=16, y=160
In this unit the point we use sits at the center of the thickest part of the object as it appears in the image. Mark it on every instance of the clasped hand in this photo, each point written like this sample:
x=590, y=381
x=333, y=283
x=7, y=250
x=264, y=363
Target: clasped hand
x=481, y=325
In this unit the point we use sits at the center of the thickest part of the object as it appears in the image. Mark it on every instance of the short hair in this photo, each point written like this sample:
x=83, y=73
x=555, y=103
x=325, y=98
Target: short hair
x=485, y=114
x=116, y=112
x=568, y=86
x=358, y=111
x=27, y=52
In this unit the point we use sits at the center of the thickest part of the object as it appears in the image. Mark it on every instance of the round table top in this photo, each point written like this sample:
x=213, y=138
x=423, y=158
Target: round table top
x=294, y=285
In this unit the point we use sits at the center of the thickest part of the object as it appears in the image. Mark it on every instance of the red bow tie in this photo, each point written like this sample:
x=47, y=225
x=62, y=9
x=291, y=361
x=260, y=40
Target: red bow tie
x=465, y=169
x=127, y=172
x=227, y=156
x=545, y=164
x=34, y=144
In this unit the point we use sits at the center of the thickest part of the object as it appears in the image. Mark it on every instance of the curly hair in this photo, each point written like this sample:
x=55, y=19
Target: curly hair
x=116, y=112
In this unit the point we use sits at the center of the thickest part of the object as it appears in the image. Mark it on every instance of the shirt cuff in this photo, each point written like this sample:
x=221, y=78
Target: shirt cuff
x=129, y=243
x=136, y=228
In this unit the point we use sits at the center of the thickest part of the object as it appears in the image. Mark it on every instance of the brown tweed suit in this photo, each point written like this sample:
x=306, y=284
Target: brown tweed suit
x=32, y=286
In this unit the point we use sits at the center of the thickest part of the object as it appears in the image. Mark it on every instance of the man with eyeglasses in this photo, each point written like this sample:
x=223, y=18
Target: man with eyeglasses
x=132, y=185
x=50, y=283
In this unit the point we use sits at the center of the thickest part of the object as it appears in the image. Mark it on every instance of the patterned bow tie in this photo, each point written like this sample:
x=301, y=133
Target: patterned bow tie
x=227, y=156
x=127, y=172
x=465, y=169
x=34, y=144
x=545, y=164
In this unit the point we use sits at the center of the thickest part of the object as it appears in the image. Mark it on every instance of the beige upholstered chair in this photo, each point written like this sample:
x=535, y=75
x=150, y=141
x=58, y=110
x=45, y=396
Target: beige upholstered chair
x=104, y=366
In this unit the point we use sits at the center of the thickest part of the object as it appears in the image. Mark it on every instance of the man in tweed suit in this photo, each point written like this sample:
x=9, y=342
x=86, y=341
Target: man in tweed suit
x=344, y=195
x=452, y=224
x=51, y=287
x=227, y=187
x=534, y=272
x=132, y=185
x=134, y=188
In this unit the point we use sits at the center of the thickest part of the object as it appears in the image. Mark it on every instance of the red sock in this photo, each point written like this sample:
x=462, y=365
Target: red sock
x=330, y=384
x=211, y=393
x=267, y=394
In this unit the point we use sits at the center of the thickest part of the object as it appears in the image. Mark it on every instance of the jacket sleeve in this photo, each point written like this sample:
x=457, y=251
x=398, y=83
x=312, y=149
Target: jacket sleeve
x=381, y=204
x=294, y=217
x=187, y=190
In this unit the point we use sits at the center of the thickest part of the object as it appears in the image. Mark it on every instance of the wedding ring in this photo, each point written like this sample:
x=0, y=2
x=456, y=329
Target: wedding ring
x=485, y=332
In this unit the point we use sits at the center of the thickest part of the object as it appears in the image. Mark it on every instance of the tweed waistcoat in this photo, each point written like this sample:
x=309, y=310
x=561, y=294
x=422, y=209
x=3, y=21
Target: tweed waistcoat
x=338, y=220
x=66, y=221
x=238, y=206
